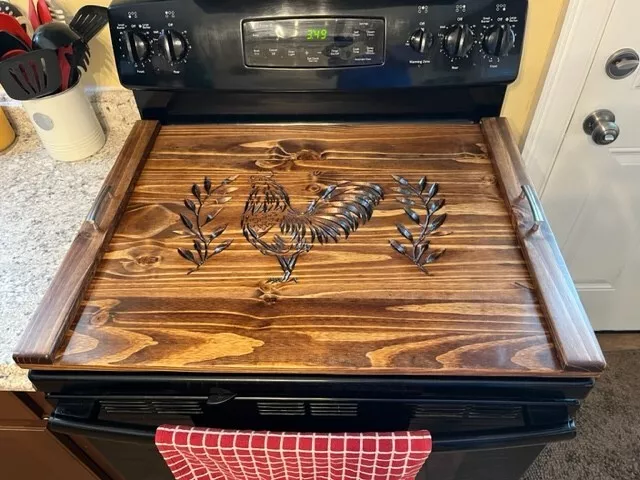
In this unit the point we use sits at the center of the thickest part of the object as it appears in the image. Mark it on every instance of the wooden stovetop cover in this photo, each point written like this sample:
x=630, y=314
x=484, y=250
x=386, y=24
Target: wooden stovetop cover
x=498, y=302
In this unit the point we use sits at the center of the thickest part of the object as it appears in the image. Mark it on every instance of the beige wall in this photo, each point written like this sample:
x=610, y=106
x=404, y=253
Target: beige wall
x=543, y=25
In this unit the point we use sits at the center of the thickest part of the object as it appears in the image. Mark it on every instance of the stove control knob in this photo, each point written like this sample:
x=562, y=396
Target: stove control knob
x=421, y=40
x=458, y=41
x=499, y=41
x=136, y=46
x=173, y=45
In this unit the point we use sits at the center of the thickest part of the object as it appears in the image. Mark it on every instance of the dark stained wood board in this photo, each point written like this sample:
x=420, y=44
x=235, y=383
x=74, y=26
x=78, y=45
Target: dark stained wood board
x=578, y=346
x=358, y=306
x=60, y=304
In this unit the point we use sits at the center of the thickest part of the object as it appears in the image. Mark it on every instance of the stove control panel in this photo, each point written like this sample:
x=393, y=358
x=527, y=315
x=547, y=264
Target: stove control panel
x=258, y=45
x=313, y=42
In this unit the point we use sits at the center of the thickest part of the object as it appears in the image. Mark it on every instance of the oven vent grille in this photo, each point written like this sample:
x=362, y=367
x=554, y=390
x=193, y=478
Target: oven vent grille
x=467, y=412
x=281, y=408
x=315, y=409
x=346, y=409
x=151, y=406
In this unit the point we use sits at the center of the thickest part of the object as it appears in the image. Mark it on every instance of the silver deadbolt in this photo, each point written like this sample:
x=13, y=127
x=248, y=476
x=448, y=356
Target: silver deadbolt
x=622, y=63
x=601, y=125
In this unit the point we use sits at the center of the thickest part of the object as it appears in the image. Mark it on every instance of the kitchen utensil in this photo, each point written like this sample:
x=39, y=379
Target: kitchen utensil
x=18, y=14
x=54, y=35
x=11, y=25
x=26, y=25
x=78, y=59
x=88, y=21
x=43, y=12
x=10, y=9
x=66, y=124
x=56, y=12
x=33, y=15
x=10, y=42
x=31, y=75
x=11, y=54
x=65, y=66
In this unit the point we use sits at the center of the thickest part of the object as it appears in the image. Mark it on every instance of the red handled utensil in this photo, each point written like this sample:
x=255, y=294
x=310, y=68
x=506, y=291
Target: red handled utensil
x=43, y=12
x=12, y=25
x=11, y=54
x=33, y=15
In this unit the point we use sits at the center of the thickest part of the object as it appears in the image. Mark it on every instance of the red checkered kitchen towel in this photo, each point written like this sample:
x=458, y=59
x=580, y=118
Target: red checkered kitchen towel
x=208, y=454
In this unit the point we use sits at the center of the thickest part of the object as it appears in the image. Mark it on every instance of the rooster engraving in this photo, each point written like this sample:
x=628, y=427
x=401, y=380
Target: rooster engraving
x=276, y=229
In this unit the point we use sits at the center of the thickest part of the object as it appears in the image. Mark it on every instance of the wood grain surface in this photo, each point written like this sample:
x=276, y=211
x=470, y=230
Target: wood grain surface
x=358, y=307
x=576, y=343
x=59, y=307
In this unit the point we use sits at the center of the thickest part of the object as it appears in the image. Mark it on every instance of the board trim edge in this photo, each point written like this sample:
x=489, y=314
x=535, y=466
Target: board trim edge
x=577, y=346
x=56, y=311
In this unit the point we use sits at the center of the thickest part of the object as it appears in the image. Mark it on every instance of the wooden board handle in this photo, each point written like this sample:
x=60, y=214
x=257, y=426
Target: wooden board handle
x=59, y=306
x=577, y=346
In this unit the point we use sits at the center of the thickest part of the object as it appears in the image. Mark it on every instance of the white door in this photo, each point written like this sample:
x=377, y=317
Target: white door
x=592, y=198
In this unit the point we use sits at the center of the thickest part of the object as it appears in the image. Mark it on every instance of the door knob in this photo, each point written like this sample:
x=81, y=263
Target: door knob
x=622, y=63
x=601, y=126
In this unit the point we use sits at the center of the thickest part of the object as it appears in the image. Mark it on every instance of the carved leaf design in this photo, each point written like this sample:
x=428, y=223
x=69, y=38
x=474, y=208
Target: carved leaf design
x=404, y=232
x=217, y=232
x=412, y=195
x=433, y=256
x=420, y=249
x=405, y=201
x=403, y=191
x=187, y=255
x=195, y=189
x=201, y=241
x=398, y=247
x=199, y=248
x=400, y=180
x=223, y=246
x=422, y=183
x=436, y=205
x=412, y=215
x=190, y=205
x=187, y=223
x=211, y=216
x=437, y=222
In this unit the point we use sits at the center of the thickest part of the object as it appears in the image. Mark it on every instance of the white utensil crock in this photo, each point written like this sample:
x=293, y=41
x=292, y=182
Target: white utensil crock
x=67, y=124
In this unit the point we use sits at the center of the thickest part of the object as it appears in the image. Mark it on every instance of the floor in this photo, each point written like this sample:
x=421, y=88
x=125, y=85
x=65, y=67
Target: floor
x=608, y=442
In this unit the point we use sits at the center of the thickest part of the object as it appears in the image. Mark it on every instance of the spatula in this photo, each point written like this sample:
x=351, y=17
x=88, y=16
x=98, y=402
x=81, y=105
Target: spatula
x=89, y=20
x=32, y=75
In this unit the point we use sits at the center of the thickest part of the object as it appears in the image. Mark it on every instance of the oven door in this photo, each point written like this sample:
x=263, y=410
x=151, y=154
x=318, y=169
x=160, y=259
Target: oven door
x=483, y=439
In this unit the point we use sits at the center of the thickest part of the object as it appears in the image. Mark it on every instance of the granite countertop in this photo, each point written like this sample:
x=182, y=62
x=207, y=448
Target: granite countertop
x=42, y=204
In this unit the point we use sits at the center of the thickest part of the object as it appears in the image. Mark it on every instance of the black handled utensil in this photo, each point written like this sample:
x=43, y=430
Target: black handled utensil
x=78, y=60
x=89, y=20
x=31, y=75
x=54, y=35
x=9, y=42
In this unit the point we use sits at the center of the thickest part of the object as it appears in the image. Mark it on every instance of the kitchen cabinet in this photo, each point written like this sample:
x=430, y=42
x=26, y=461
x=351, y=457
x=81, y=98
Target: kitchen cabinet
x=30, y=451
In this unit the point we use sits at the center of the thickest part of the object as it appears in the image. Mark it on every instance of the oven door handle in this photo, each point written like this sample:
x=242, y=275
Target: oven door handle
x=480, y=440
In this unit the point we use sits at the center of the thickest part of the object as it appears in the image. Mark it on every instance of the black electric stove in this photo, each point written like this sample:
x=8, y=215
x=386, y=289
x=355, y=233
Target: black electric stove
x=195, y=61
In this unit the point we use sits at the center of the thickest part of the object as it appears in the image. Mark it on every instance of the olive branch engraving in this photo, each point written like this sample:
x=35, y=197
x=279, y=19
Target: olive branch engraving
x=197, y=218
x=412, y=196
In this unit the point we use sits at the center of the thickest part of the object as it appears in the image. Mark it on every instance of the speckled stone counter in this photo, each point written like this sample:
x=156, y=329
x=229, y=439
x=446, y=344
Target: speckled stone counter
x=42, y=204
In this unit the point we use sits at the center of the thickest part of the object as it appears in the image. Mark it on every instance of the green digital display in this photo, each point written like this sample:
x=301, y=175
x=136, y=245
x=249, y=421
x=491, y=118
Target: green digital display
x=316, y=34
